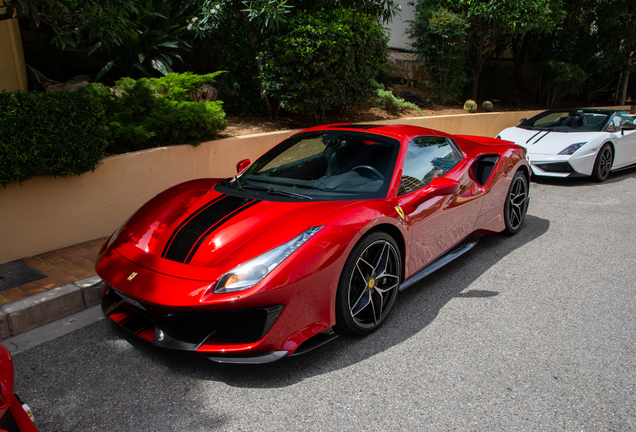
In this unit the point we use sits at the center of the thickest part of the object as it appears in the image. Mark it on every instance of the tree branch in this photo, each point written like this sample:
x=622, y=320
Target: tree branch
x=8, y=13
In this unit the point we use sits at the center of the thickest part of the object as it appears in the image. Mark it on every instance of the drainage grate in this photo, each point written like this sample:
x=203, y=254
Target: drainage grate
x=16, y=273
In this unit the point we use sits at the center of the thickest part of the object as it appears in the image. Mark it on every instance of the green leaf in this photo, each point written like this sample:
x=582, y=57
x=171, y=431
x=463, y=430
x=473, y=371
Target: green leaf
x=170, y=44
x=159, y=65
x=95, y=47
x=105, y=69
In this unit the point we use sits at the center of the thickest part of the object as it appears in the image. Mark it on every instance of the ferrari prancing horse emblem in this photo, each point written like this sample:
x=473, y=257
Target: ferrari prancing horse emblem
x=132, y=276
x=400, y=211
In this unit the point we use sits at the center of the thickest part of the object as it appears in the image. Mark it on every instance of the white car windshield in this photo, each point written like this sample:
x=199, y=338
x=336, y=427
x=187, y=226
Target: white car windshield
x=568, y=121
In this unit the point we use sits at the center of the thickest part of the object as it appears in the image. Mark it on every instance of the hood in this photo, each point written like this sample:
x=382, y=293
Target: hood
x=194, y=225
x=545, y=142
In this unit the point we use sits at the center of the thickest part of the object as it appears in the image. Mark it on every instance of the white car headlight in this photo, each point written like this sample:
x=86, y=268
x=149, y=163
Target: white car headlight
x=252, y=272
x=572, y=148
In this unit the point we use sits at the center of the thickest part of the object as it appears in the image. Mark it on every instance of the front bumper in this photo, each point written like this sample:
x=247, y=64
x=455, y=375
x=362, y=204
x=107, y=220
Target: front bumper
x=562, y=165
x=215, y=333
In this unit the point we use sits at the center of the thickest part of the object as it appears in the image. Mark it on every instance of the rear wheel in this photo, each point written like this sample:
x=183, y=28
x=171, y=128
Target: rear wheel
x=603, y=163
x=516, y=203
x=369, y=285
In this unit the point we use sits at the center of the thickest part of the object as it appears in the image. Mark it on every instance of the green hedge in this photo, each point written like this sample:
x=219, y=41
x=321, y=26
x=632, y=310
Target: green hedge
x=153, y=112
x=60, y=134
x=51, y=134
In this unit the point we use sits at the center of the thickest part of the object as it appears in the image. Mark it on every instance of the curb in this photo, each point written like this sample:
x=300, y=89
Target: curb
x=41, y=309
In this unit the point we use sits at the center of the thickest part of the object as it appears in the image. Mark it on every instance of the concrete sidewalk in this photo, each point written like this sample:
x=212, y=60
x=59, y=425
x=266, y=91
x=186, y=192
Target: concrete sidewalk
x=62, y=283
x=35, y=311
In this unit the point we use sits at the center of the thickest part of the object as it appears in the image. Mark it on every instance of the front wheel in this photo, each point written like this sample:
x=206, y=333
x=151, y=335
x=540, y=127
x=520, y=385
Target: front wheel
x=603, y=163
x=516, y=203
x=369, y=285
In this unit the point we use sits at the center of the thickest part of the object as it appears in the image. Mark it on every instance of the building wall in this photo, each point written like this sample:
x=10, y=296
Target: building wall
x=398, y=26
x=12, y=67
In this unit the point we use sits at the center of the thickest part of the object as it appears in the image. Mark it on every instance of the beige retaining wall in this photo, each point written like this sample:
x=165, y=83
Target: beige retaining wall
x=45, y=214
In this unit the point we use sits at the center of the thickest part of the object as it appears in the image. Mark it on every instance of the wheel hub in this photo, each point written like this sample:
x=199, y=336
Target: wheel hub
x=370, y=284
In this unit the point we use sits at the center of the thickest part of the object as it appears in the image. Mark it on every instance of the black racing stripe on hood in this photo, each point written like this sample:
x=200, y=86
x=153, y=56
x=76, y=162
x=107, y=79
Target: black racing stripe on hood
x=190, y=234
x=186, y=221
x=215, y=226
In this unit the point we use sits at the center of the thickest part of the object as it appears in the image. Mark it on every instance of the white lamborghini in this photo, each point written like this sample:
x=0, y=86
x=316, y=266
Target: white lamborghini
x=579, y=142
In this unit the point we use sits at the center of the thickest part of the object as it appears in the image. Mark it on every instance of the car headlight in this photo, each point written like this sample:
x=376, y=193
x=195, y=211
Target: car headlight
x=571, y=148
x=252, y=272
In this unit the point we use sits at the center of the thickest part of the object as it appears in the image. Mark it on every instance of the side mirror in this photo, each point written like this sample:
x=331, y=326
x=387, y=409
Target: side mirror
x=437, y=187
x=240, y=167
x=627, y=126
x=522, y=120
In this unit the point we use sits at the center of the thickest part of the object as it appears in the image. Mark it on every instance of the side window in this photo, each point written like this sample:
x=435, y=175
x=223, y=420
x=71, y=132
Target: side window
x=618, y=119
x=427, y=157
x=625, y=118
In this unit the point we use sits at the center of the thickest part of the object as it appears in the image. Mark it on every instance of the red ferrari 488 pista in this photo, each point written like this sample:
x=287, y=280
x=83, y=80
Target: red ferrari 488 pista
x=316, y=237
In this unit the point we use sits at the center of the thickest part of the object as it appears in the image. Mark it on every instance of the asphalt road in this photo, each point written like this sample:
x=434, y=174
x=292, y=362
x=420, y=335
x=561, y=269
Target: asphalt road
x=535, y=332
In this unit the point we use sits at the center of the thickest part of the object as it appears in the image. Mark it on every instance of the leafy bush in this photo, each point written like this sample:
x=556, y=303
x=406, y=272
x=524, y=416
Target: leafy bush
x=386, y=100
x=324, y=60
x=152, y=112
x=558, y=79
x=440, y=39
x=239, y=86
x=52, y=134
x=152, y=41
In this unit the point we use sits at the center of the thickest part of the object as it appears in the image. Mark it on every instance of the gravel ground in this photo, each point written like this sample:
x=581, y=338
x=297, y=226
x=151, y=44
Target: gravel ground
x=535, y=332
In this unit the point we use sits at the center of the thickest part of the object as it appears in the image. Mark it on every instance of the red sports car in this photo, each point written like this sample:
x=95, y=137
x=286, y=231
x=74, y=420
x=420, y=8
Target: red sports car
x=14, y=416
x=315, y=238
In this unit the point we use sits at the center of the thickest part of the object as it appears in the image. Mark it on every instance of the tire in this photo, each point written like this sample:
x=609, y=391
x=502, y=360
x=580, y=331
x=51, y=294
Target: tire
x=516, y=203
x=603, y=163
x=369, y=285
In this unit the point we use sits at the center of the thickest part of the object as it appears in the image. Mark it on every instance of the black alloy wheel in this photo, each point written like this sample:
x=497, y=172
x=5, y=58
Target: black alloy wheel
x=603, y=163
x=516, y=203
x=369, y=284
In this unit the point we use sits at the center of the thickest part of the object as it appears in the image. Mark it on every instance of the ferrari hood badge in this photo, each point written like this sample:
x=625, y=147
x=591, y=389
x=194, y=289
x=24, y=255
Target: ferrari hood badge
x=400, y=211
x=132, y=276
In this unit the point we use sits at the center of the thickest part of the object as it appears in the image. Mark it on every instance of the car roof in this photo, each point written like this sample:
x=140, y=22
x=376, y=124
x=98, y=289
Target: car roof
x=398, y=131
x=584, y=110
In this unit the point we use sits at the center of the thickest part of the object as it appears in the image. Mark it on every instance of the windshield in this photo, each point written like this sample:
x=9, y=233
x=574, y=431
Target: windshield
x=568, y=121
x=325, y=165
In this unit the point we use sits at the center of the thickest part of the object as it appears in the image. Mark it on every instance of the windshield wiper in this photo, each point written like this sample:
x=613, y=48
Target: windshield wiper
x=238, y=183
x=271, y=191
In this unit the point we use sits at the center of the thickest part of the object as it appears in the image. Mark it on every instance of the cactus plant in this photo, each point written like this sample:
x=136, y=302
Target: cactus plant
x=470, y=106
x=487, y=106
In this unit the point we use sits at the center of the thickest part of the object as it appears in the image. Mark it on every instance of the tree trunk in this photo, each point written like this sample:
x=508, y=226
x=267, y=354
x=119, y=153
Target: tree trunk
x=257, y=62
x=473, y=94
x=625, y=83
x=520, y=61
x=476, y=72
x=259, y=69
x=8, y=12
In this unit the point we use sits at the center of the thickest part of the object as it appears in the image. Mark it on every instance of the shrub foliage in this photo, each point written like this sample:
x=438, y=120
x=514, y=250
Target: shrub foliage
x=56, y=134
x=153, y=112
x=439, y=38
x=324, y=60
